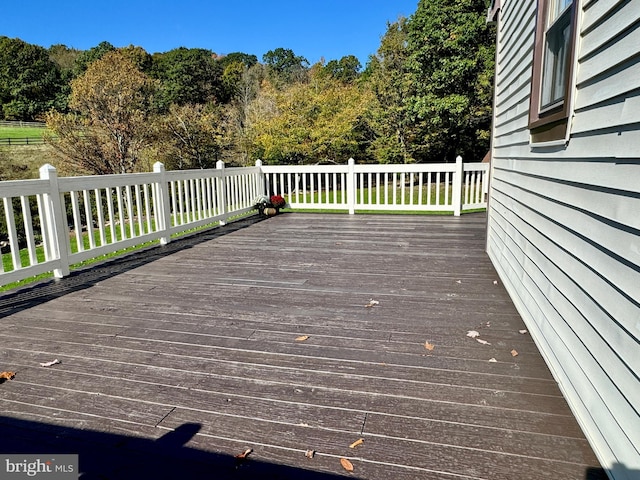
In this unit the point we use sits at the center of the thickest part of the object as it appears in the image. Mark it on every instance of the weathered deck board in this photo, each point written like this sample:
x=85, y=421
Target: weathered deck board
x=189, y=352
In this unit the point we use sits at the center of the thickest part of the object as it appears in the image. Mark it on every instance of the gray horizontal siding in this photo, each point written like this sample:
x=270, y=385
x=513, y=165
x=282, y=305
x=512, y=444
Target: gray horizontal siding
x=564, y=222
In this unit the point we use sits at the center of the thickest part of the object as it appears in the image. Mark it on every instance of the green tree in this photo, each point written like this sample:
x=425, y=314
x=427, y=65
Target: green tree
x=87, y=57
x=245, y=91
x=238, y=57
x=234, y=66
x=346, y=69
x=109, y=125
x=308, y=122
x=285, y=67
x=65, y=58
x=30, y=83
x=190, y=136
x=188, y=76
x=388, y=77
x=139, y=57
x=451, y=52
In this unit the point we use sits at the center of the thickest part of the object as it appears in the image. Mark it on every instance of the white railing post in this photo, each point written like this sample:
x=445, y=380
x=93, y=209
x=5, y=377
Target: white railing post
x=162, y=204
x=56, y=231
x=351, y=187
x=261, y=185
x=458, y=180
x=222, y=192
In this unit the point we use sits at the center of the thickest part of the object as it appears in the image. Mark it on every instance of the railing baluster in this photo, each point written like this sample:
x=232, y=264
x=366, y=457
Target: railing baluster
x=27, y=221
x=327, y=185
x=138, y=210
x=100, y=216
x=180, y=211
x=447, y=180
x=130, y=212
x=88, y=215
x=109, y=199
x=121, y=214
x=11, y=230
x=77, y=221
x=403, y=184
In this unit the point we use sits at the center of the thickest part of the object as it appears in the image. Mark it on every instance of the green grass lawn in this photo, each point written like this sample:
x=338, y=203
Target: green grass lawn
x=21, y=132
x=438, y=196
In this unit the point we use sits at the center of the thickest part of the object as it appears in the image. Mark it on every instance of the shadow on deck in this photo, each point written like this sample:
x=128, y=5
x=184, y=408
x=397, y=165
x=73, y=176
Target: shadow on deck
x=302, y=332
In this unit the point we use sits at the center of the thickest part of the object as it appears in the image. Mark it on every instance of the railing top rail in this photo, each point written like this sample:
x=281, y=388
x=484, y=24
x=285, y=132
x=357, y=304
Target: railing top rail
x=103, y=181
x=373, y=168
x=209, y=173
x=304, y=168
x=406, y=168
x=16, y=188
x=476, y=167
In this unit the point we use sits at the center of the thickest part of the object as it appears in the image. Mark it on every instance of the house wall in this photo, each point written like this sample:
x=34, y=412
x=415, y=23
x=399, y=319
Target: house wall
x=564, y=221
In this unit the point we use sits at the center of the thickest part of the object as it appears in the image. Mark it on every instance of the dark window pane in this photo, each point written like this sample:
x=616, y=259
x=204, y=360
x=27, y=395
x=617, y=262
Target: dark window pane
x=556, y=59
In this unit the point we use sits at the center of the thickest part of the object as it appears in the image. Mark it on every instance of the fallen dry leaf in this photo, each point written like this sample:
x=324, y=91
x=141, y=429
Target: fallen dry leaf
x=492, y=360
x=458, y=281
x=483, y=342
x=302, y=338
x=360, y=441
x=522, y=331
x=473, y=334
x=514, y=353
x=372, y=303
x=346, y=464
x=310, y=453
x=429, y=346
x=495, y=282
x=245, y=454
x=7, y=375
x=52, y=362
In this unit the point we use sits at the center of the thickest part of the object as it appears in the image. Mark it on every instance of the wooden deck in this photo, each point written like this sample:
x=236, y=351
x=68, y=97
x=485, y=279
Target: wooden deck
x=176, y=360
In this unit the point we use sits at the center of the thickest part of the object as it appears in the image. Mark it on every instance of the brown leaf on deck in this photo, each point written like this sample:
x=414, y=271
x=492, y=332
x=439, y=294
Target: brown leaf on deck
x=360, y=441
x=483, y=342
x=346, y=464
x=244, y=454
x=7, y=376
x=372, y=303
x=429, y=346
x=514, y=353
x=310, y=453
x=302, y=338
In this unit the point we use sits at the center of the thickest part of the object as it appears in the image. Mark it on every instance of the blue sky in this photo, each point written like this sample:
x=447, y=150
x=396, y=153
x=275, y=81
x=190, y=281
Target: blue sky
x=312, y=29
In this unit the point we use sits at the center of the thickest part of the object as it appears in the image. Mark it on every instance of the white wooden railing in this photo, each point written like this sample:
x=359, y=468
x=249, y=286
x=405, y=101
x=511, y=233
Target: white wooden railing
x=78, y=218
x=61, y=221
x=443, y=187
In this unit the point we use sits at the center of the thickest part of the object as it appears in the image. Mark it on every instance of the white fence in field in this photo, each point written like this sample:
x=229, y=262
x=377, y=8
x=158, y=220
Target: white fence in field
x=55, y=222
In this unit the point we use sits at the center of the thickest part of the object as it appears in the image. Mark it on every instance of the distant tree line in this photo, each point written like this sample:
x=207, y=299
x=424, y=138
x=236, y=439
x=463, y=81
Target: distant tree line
x=425, y=96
